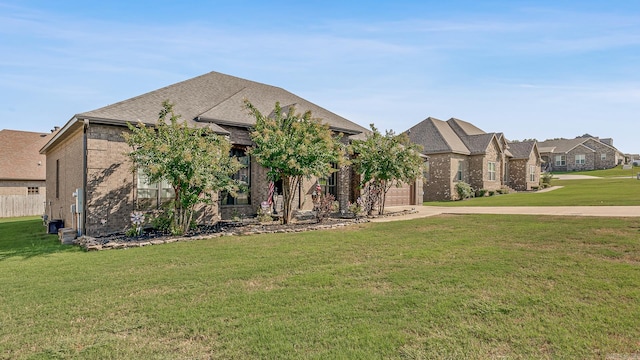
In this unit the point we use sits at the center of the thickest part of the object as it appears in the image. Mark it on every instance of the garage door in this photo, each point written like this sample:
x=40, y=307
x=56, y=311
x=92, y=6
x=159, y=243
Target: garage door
x=399, y=196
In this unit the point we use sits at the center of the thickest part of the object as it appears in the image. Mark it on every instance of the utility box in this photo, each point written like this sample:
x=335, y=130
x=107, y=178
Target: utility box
x=638, y=176
x=55, y=225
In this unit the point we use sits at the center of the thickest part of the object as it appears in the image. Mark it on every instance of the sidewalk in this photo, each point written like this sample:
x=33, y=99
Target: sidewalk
x=426, y=211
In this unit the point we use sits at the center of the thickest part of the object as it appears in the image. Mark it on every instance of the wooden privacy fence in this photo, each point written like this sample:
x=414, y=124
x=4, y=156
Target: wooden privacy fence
x=21, y=205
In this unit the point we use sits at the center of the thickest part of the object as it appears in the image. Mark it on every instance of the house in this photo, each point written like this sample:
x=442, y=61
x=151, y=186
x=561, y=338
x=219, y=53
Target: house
x=458, y=151
x=22, y=172
x=93, y=188
x=524, y=165
x=582, y=153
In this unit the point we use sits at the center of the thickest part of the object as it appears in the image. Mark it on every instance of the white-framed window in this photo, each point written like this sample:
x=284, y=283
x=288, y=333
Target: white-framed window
x=561, y=160
x=492, y=171
x=603, y=156
x=460, y=169
x=243, y=176
x=580, y=159
x=532, y=173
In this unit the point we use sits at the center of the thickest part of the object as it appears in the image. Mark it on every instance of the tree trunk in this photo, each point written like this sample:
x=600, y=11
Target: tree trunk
x=289, y=184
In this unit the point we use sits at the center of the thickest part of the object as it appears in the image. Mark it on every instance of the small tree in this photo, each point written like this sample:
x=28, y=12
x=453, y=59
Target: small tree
x=385, y=161
x=293, y=146
x=195, y=161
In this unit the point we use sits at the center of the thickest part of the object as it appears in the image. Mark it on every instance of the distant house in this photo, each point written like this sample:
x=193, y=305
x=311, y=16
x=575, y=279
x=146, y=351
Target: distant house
x=458, y=151
x=581, y=153
x=22, y=172
x=87, y=165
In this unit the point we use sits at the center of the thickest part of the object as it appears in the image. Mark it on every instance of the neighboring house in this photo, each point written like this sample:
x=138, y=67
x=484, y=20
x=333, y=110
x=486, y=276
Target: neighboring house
x=581, y=153
x=22, y=172
x=87, y=165
x=459, y=151
x=524, y=165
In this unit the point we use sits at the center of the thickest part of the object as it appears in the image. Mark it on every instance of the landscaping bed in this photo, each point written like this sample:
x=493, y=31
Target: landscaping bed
x=221, y=228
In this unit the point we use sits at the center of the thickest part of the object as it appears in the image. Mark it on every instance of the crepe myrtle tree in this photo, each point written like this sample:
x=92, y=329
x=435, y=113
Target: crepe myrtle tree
x=195, y=161
x=384, y=161
x=294, y=146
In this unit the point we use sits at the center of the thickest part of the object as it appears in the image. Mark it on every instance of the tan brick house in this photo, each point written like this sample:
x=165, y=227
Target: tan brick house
x=524, y=165
x=22, y=167
x=87, y=163
x=582, y=153
x=458, y=151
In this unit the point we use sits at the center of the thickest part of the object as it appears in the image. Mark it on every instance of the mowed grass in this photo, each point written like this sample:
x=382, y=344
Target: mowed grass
x=449, y=287
x=617, y=171
x=591, y=192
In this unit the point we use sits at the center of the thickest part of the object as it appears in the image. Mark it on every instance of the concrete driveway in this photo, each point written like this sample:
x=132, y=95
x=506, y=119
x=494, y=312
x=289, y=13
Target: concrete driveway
x=426, y=211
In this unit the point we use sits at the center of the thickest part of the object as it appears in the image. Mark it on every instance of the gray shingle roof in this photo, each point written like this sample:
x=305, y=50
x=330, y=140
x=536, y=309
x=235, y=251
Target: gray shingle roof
x=462, y=127
x=559, y=146
x=521, y=150
x=436, y=136
x=212, y=99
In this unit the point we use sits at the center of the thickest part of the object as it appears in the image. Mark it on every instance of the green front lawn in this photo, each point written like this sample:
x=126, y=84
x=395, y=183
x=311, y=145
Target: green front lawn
x=473, y=287
x=592, y=192
x=617, y=171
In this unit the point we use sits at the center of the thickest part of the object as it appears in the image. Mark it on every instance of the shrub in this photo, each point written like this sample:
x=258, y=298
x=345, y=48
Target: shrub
x=324, y=206
x=464, y=190
x=263, y=216
x=481, y=192
x=356, y=207
x=546, y=178
x=492, y=192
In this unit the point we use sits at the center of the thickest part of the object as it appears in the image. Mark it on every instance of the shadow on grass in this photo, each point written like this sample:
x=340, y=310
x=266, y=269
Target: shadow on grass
x=27, y=238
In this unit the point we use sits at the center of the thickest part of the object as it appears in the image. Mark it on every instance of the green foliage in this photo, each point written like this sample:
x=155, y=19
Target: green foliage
x=481, y=192
x=324, y=205
x=464, y=190
x=293, y=146
x=545, y=179
x=385, y=161
x=195, y=161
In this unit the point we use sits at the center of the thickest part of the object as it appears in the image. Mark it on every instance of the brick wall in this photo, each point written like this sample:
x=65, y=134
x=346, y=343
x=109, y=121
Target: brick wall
x=16, y=187
x=441, y=178
x=65, y=158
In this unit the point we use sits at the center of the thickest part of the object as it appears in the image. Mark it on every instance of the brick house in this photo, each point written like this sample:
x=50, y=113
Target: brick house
x=582, y=153
x=87, y=163
x=459, y=151
x=524, y=165
x=22, y=172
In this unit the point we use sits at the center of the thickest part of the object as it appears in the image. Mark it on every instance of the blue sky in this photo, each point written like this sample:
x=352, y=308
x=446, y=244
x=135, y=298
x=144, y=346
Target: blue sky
x=538, y=69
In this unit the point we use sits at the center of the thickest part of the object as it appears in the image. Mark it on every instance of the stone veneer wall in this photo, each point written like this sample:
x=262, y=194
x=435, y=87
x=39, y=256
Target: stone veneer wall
x=441, y=178
x=479, y=169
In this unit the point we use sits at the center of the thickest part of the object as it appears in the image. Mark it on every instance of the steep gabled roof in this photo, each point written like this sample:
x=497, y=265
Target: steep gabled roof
x=522, y=150
x=215, y=99
x=462, y=127
x=436, y=137
x=19, y=156
x=479, y=143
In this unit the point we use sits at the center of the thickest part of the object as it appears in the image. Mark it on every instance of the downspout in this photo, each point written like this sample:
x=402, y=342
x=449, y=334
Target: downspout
x=83, y=215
